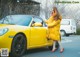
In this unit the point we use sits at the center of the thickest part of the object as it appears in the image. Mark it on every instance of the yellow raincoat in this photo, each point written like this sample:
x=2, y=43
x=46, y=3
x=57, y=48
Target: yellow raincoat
x=53, y=28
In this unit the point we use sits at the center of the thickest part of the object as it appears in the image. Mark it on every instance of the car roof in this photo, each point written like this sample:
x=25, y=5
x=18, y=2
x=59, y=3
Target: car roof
x=67, y=19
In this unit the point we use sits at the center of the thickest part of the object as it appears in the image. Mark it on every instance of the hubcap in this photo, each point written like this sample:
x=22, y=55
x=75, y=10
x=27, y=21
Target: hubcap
x=19, y=45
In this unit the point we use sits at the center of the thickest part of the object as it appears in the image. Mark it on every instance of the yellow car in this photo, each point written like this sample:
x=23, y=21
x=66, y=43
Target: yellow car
x=21, y=32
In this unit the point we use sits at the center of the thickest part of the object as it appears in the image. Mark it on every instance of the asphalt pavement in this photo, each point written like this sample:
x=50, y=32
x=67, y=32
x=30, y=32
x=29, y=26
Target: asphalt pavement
x=71, y=46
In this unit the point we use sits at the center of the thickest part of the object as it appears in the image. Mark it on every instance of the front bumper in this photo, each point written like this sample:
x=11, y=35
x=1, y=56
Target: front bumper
x=5, y=42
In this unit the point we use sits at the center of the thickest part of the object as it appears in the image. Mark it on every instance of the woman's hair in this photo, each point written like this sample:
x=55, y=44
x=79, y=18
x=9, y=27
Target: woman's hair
x=56, y=17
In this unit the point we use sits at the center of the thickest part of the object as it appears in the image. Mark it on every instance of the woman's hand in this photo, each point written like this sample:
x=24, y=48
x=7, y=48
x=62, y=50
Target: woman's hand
x=44, y=20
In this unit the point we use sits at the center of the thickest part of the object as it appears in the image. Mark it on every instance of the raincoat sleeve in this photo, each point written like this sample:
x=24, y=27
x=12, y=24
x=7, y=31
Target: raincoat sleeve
x=55, y=13
x=46, y=21
x=53, y=23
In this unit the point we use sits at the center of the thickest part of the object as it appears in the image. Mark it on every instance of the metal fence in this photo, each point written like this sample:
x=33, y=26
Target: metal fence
x=70, y=10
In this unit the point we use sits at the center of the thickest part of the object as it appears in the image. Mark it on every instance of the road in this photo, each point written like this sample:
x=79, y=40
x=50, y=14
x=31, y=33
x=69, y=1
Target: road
x=71, y=46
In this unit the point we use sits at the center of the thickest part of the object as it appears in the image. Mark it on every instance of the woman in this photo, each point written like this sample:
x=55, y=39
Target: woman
x=53, y=24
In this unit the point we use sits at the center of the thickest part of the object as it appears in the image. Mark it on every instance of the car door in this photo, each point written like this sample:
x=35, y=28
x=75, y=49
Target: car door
x=37, y=34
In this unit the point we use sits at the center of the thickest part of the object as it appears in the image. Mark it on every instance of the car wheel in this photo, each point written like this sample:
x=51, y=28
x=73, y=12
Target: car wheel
x=18, y=45
x=63, y=33
x=57, y=46
x=67, y=35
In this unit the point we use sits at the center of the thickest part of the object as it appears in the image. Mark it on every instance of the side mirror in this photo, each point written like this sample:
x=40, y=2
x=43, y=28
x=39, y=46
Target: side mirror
x=37, y=24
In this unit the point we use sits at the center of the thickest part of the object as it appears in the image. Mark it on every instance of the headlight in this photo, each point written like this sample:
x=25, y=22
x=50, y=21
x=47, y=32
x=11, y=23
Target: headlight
x=3, y=31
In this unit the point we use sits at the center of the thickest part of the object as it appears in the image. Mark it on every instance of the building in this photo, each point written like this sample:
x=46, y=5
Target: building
x=19, y=7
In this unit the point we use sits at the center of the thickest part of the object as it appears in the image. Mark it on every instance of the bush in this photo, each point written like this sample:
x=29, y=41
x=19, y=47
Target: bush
x=78, y=31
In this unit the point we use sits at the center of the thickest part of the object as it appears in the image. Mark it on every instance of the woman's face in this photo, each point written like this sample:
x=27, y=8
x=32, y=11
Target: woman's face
x=52, y=12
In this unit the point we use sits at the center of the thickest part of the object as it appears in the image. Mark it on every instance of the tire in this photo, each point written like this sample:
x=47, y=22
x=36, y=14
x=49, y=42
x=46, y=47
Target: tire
x=18, y=46
x=57, y=46
x=63, y=33
x=67, y=35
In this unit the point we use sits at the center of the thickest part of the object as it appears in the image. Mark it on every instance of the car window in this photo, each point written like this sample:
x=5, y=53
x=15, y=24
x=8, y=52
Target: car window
x=1, y=21
x=74, y=22
x=65, y=22
x=37, y=20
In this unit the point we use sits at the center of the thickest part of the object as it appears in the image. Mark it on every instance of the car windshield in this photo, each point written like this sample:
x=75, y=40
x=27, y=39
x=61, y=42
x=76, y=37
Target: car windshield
x=17, y=20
